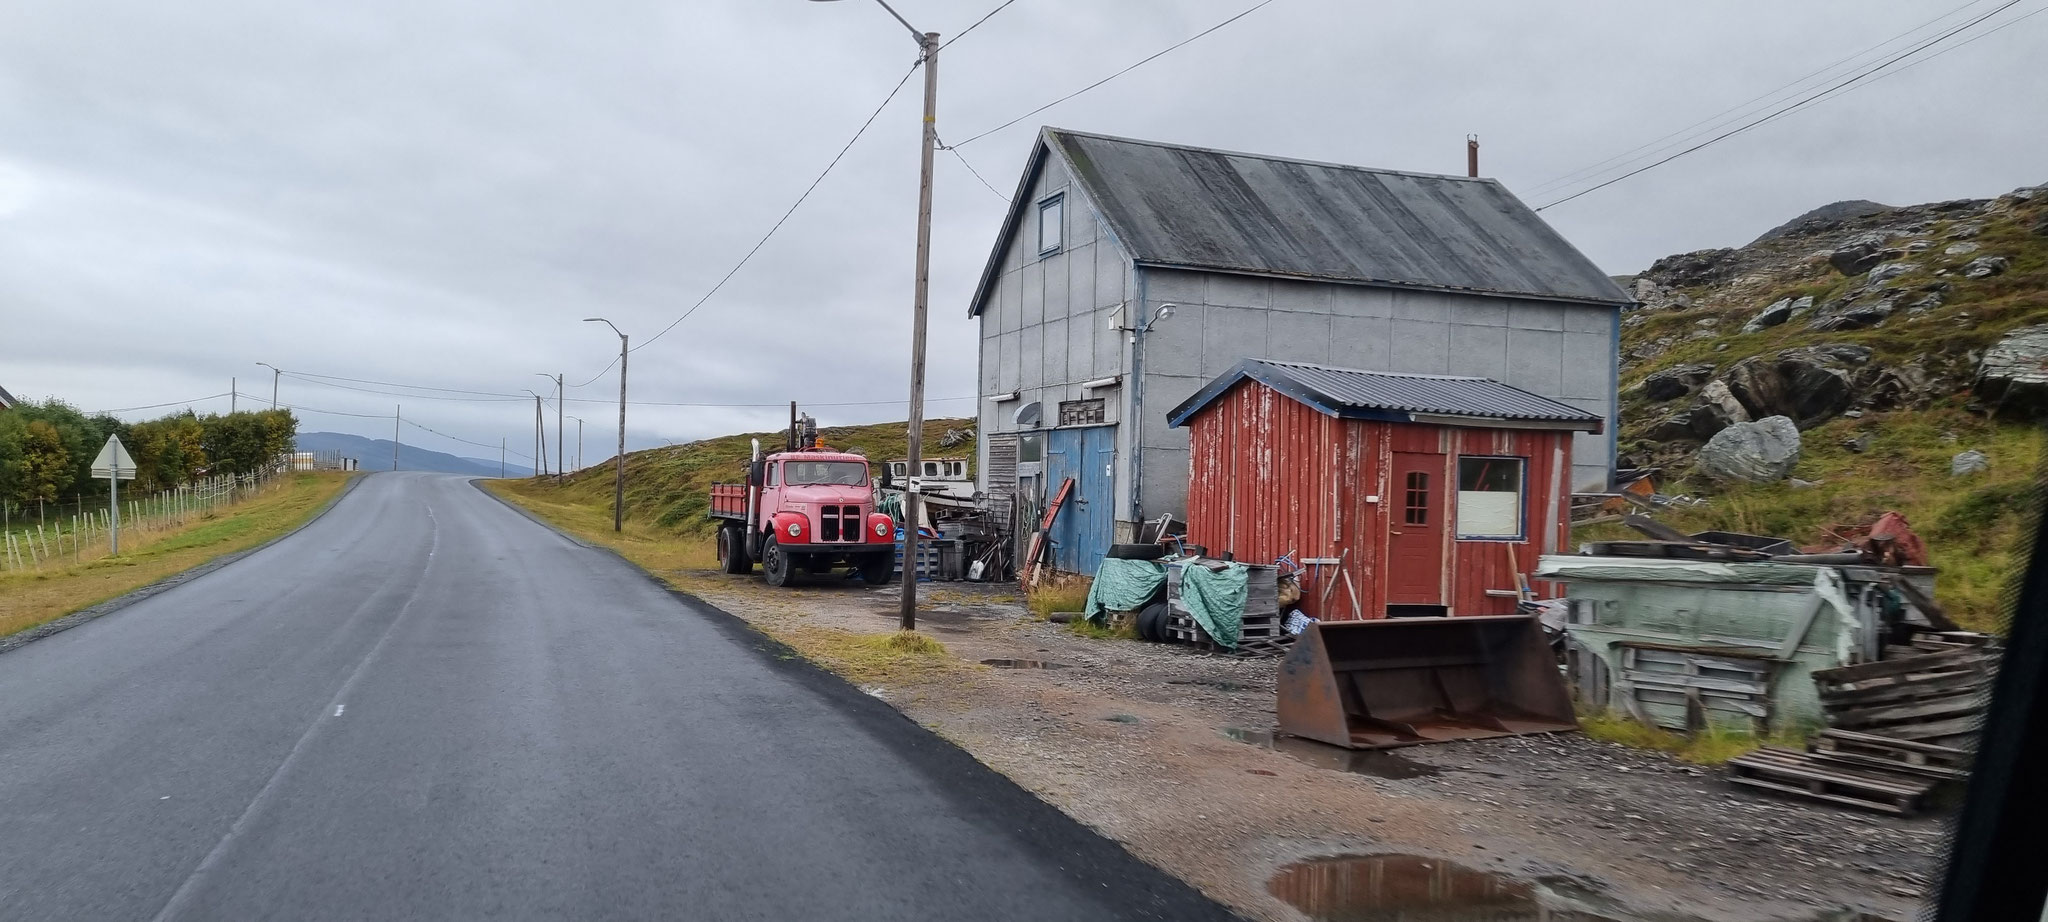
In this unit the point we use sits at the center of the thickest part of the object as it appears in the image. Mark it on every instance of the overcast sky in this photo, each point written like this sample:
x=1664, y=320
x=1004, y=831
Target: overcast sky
x=436, y=192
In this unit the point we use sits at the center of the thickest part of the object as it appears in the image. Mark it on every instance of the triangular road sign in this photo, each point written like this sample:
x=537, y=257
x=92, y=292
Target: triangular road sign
x=114, y=461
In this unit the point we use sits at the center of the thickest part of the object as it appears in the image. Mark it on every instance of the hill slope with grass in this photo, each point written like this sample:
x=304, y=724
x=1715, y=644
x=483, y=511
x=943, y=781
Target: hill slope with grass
x=1868, y=327
x=669, y=488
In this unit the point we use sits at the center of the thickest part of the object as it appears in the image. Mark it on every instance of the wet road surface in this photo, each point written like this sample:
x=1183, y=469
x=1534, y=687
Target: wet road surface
x=424, y=705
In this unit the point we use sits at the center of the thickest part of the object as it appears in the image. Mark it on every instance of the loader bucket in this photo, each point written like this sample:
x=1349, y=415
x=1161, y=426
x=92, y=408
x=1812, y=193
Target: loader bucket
x=1403, y=681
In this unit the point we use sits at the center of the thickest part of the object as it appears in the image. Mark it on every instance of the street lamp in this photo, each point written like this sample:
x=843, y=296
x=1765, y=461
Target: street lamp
x=619, y=484
x=579, y=441
x=561, y=456
x=928, y=48
x=274, y=372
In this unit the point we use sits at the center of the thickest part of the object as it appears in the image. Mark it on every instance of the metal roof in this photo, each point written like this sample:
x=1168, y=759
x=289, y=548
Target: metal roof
x=6, y=399
x=1197, y=208
x=1356, y=394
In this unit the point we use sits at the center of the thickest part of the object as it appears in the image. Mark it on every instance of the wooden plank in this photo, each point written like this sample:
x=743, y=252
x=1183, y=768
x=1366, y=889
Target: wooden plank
x=1852, y=738
x=1915, y=712
x=1960, y=726
x=1878, y=670
x=1879, y=806
x=1927, y=687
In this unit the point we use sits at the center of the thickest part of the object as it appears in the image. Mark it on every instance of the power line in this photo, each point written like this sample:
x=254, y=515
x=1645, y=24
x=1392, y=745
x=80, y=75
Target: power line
x=752, y=406
x=382, y=416
x=1169, y=49
x=416, y=387
x=785, y=215
x=1723, y=116
x=410, y=395
x=159, y=406
x=977, y=173
x=1842, y=87
x=977, y=24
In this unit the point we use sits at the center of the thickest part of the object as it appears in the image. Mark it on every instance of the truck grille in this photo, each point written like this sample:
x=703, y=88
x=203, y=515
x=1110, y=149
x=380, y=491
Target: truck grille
x=839, y=523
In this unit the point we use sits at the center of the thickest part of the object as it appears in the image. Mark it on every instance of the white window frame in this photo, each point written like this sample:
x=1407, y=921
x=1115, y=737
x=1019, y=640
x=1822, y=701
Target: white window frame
x=1521, y=494
x=1057, y=201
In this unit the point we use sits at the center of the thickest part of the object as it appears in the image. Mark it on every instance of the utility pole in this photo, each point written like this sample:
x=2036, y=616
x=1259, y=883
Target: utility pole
x=928, y=48
x=274, y=372
x=540, y=435
x=619, y=480
x=232, y=394
x=561, y=451
x=501, y=457
x=396, y=409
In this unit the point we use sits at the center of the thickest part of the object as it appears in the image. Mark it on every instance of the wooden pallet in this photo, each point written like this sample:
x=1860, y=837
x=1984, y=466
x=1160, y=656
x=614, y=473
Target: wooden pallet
x=1182, y=626
x=1789, y=771
x=1936, y=697
x=1864, y=750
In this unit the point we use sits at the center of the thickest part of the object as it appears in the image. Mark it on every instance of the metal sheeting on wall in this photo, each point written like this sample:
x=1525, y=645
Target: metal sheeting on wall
x=1270, y=475
x=1081, y=535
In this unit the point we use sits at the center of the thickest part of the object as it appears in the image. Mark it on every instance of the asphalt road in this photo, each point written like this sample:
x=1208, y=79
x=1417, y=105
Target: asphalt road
x=426, y=706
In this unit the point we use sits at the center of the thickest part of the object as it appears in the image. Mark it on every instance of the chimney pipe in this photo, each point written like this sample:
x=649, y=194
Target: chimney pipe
x=1472, y=155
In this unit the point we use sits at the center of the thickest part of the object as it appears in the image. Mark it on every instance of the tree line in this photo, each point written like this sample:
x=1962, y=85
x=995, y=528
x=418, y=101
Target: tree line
x=47, y=449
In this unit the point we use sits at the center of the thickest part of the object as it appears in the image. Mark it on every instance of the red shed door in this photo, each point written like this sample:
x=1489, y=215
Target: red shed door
x=1415, y=545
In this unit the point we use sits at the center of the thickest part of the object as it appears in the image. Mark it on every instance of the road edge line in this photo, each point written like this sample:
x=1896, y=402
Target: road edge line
x=19, y=639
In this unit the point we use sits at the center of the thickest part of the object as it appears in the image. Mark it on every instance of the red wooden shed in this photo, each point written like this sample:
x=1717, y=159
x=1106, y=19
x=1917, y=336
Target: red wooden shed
x=1424, y=486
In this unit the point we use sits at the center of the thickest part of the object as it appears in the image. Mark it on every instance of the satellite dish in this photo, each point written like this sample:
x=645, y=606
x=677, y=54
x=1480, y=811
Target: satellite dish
x=1030, y=415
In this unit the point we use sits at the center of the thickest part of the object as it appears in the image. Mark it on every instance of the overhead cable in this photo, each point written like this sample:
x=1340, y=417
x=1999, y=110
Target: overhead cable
x=1837, y=89
x=785, y=215
x=1154, y=57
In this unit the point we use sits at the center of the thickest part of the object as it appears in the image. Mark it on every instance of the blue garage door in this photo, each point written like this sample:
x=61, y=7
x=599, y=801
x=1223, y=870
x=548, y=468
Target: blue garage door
x=1082, y=532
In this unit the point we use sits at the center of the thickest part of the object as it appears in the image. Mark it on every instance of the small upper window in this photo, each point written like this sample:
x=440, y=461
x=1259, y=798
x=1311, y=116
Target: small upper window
x=1490, y=498
x=1051, y=219
x=772, y=470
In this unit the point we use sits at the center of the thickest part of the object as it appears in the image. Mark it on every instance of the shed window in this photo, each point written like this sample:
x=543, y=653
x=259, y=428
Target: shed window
x=1051, y=219
x=1030, y=448
x=1415, y=506
x=1490, y=497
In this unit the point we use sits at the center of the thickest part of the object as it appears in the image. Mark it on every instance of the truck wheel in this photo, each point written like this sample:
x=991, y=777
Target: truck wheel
x=732, y=550
x=776, y=566
x=877, y=569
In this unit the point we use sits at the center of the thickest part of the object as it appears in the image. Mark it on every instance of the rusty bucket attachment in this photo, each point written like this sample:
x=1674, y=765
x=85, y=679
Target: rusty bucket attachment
x=1403, y=681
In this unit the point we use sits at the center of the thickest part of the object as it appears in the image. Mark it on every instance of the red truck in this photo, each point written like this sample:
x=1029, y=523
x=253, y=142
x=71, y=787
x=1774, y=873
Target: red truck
x=808, y=509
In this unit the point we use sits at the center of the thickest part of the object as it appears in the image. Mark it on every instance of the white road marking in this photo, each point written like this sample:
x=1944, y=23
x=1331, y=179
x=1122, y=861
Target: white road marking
x=337, y=709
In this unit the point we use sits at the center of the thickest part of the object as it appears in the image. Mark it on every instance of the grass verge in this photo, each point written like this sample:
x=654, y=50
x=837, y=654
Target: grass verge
x=35, y=597
x=1713, y=746
x=675, y=559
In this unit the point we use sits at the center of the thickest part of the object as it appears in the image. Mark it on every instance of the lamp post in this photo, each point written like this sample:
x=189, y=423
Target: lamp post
x=274, y=372
x=928, y=47
x=619, y=482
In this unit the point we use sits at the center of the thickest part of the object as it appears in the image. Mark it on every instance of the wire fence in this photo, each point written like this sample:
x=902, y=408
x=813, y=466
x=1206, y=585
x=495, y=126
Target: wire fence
x=35, y=536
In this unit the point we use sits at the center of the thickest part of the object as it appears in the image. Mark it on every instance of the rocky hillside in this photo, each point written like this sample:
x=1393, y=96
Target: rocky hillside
x=1893, y=342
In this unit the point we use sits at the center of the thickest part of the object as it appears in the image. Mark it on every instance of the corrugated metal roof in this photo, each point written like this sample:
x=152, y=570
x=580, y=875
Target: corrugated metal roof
x=1354, y=393
x=1197, y=208
x=6, y=399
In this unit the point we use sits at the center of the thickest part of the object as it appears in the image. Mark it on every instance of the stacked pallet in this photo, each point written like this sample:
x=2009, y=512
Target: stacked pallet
x=1899, y=728
x=1262, y=632
x=1934, y=698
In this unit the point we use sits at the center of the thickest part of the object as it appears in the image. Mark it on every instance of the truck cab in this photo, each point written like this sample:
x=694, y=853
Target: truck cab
x=812, y=511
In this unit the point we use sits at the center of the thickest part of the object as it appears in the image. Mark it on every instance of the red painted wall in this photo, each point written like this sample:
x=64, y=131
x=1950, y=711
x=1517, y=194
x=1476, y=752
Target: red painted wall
x=1269, y=475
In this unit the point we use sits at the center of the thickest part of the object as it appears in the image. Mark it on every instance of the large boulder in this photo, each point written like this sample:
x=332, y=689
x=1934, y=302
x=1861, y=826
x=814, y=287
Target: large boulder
x=1859, y=255
x=1677, y=381
x=1764, y=451
x=1688, y=270
x=1778, y=312
x=1885, y=272
x=1985, y=267
x=2013, y=375
x=1807, y=385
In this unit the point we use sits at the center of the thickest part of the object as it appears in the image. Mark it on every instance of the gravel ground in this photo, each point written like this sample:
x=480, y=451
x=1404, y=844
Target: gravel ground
x=1167, y=751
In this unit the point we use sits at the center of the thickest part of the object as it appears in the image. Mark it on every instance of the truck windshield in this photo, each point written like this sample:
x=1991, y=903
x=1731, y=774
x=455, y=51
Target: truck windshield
x=844, y=473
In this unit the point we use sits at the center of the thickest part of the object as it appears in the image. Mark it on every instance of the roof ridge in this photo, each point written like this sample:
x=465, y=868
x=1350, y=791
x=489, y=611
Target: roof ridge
x=1275, y=158
x=1387, y=374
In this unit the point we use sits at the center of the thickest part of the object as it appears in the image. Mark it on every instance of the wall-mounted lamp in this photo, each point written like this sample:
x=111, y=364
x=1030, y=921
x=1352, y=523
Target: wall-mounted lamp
x=1002, y=398
x=1111, y=381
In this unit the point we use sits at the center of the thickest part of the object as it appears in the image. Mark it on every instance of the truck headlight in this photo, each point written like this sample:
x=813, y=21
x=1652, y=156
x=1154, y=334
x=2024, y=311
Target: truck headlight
x=881, y=529
x=795, y=529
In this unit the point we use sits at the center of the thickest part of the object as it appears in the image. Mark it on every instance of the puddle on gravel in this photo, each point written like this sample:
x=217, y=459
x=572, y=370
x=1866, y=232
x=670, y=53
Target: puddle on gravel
x=1022, y=664
x=1378, y=763
x=1410, y=888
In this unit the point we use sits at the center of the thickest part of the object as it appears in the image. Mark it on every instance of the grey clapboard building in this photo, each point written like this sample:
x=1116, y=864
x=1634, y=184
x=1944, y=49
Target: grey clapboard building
x=1129, y=273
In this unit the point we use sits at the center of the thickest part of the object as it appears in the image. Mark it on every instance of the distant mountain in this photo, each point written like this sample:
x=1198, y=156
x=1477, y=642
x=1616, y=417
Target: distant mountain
x=375, y=455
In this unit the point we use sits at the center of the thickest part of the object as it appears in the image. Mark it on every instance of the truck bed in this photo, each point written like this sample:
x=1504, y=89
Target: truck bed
x=729, y=501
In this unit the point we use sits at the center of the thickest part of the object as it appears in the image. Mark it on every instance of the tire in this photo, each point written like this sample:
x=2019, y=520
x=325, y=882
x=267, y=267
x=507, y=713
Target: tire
x=1137, y=551
x=1152, y=622
x=878, y=569
x=776, y=566
x=732, y=550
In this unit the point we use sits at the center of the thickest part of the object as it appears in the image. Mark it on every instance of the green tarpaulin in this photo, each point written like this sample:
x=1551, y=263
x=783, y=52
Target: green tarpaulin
x=1216, y=599
x=1123, y=585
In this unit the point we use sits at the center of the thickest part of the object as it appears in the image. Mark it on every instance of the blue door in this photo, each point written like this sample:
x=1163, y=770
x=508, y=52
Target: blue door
x=1081, y=534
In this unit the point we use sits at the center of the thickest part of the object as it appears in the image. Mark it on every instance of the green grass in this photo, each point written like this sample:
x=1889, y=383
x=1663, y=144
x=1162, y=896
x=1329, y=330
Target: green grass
x=1057, y=592
x=1712, y=746
x=30, y=598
